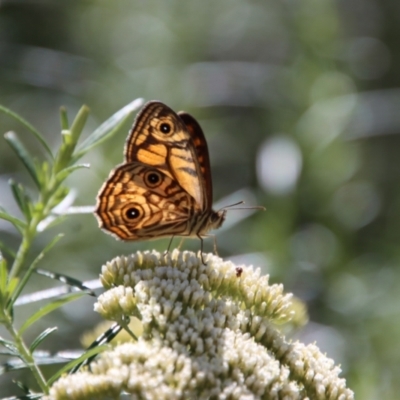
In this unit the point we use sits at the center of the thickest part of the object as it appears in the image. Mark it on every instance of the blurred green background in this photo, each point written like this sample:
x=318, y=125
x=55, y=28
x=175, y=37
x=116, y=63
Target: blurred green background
x=299, y=101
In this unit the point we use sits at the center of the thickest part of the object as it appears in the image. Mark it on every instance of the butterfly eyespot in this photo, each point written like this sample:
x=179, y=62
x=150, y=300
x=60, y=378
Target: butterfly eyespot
x=165, y=128
x=132, y=213
x=153, y=179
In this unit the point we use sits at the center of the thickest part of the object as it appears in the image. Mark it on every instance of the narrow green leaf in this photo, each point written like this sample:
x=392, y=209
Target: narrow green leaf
x=25, y=389
x=41, y=358
x=41, y=295
x=39, y=339
x=3, y=275
x=65, y=279
x=70, y=138
x=21, y=198
x=50, y=222
x=67, y=171
x=12, y=364
x=48, y=308
x=31, y=268
x=7, y=353
x=64, y=118
x=5, y=249
x=7, y=285
x=44, y=172
x=79, y=123
x=77, y=361
x=23, y=155
x=12, y=284
x=108, y=128
x=20, y=225
x=107, y=135
x=107, y=336
x=35, y=132
x=75, y=210
x=61, y=195
x=9, y=346
x=66, y=137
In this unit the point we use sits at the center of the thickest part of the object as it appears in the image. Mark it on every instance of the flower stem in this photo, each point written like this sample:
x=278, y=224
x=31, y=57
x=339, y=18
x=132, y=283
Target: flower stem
x=25, y=353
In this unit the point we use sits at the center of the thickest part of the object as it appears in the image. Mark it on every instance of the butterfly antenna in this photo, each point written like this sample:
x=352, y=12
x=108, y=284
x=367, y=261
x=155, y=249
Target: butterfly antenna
x=242, y=208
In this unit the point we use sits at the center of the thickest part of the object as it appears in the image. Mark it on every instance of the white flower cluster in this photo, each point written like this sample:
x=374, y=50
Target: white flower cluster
x=209, y=331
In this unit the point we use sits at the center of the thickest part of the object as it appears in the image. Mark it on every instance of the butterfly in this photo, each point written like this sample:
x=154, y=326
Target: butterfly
x=164, y=187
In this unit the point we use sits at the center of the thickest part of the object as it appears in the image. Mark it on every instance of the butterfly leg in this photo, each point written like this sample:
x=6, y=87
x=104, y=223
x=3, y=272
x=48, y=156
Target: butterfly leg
x=169, y=245
x=215, y=242
x=201, y=249
x=181, y=243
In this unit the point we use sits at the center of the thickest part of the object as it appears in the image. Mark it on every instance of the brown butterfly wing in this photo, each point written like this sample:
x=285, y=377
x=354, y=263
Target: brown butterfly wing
x=141, y=202
x=201, y=148
x=160, y=138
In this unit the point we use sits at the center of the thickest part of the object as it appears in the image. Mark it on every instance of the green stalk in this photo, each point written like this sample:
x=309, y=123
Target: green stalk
x=30, y=233
x=45, y=198
x=27, y=238
x=25, y=354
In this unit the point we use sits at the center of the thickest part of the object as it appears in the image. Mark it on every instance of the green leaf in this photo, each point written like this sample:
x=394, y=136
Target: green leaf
x=64, y=118
x=70, y=138
x=3, y=274
x=48, y=308
x=9, y=346
x=66, y=137
x=40, y=358
x=35, y=132
x=25, y=389
x=107, y=336
x=5, y=249
x=79, y=123
x=39, y=339
x=7, y=353
x=50, y=222
x=90, y=353
x=6, y=285
x=23, y=155
x=20, y=225
x=12, y=284
x=44, y=172
x=59, y=195
x=67, y=171
x=66, y=279
x=108, y=128
x=31, y=268
x=21, y=198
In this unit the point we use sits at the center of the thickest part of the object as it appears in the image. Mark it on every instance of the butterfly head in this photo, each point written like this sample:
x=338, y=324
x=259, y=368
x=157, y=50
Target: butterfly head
x=217, y=218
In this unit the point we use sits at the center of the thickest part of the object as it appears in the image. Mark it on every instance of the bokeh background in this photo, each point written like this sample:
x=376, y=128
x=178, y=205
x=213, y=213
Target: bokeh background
x=300, y=104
